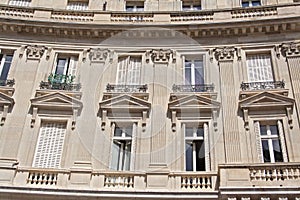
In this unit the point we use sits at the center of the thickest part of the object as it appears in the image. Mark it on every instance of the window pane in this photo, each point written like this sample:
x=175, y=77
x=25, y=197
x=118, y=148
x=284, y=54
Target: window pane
x=266, y=151
x=60, y=67
x=189, y=132
x=115, y=155
x=263, y=130
x=118, y=132
x=187, y=72
x=200, y=132
x=277, y=151
x=274, y=129
x=200, y=156
x=188, y=156
x=127, y=156
x=199, y=73
x=6, y=67
x=256, y=3
x=245, y=4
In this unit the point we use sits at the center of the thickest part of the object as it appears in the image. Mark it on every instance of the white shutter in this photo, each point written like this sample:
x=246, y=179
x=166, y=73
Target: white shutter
x=122, y=70
x=19, y=2
x=258, y=142
x=115, y=155
x=259, y=68
x=77, y=6
x=50, y=145
x=2, y=61
x=134, y=70
x=72, y=66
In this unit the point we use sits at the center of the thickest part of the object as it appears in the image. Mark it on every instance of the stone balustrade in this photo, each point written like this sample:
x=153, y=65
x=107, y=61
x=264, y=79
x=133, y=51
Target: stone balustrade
x=132, y=17
x=192, y=16
x=16, y=12
x=72, y=16
x=254, y=12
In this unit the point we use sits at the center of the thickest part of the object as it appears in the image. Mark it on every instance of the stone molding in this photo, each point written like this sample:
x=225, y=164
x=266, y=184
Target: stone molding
x=224, y=53
x=33, y=52
x=161, y=56
x=100, y=55
x=291, y=49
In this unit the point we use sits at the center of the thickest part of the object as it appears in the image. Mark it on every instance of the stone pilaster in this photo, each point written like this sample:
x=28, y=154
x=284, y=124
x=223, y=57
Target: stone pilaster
x=225, y=57
x=292, y=53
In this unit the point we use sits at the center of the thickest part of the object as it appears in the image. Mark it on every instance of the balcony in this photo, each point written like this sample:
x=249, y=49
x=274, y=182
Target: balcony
x=193, y=88
x=126, y=88
x=268, y=85
x=60, y=82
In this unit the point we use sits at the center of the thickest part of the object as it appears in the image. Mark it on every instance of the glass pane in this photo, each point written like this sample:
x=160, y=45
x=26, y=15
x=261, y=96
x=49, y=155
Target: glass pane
x=245, y=4
x=128, y=131
x=263, y=130
x=277, y=151
x=266, y=151
x=189, y=132
x=115, y=155
x=200, y=156
x=118, y=132
x=274, y=130
x=199, y=73
x=6, y=67
x=200, y=132
x=127, y=156
x=188, y=156
x=187, y=72
x=60, y=67
x=256, y=3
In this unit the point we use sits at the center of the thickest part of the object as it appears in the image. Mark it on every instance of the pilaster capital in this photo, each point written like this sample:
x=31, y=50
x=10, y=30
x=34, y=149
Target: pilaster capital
x=35, y=52
x=224, y=54
x=100, y=55
x=160, y=56
x=290, y=49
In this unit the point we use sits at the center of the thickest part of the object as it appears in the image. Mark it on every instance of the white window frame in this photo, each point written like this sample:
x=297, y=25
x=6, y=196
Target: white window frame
x=269, y=137
x=132, y=73
x=192, y=59
x=23, y=3
x=122, y=156
x=205, y=139
x=55, y=151
x=3, y=61
x=71, y=65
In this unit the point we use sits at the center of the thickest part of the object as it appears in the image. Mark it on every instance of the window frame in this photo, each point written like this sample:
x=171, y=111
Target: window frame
x=191, y=5
x=69, y=69
x=250, y=3
x=137, y=6
x=127, y=72
x=3, y=60
x=194, y=57
x=205, y=139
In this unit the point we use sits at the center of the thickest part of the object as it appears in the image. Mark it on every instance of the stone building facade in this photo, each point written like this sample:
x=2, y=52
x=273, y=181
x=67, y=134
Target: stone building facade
x=150, y=99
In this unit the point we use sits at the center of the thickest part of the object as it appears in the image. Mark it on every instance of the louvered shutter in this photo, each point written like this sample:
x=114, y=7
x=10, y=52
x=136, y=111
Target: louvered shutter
x=50, y=145
x=259, y=68
x=19, y=2
x=72, y=66
x=122, y=70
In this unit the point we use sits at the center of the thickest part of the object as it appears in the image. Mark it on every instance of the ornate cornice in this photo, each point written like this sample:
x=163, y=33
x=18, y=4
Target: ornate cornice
x=161, y=56
x=224, y=54
x=33, y=52
x=100, y=55
x=290, y=49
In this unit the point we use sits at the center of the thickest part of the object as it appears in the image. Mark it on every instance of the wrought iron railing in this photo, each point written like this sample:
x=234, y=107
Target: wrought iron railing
x=263, y=85
x=126, y=88
x=7, y=82
x=60, y=82
x=194, y=88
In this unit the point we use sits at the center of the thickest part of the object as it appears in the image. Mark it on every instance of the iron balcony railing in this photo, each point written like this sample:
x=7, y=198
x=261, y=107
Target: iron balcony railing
x=262, y=85
x=126, y=88
x=7, y=82
x=194, y=88
x=60, y=82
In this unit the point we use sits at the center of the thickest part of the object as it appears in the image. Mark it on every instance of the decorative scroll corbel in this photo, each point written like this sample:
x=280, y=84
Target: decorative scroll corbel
x=173, y=120
x=173, y=56
x=48, y=53
x=74, y=117
x=4, y=114
x=246, y=118
x=84, y=54
x=211, y=55
x=239, y=54
x=289, y=116
x=148, y=56
x=111, y=56
x=34, y=115
x=103, y=119
x=214, y=117
x=22, y=51
x=277, y=51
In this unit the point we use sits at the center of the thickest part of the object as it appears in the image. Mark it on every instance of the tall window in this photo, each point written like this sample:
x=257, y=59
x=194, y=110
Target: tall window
x=77, y=5
x=65, y=66
x=129, y=70
x=134, y=6
x=121, y=156
x=5, y=63
x=193, y=72
x=250, y=3
x=24, y=3
x=50, y=145
x=272, y=142
x=196, y=148
x=191, y=5
x=259, y=68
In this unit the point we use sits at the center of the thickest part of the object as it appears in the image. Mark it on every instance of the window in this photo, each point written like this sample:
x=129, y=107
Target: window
x=24, y=3
x=250, y=3
x=196, y=148
x=271, y=138
x=65, y=68
x=50, y=145
x=191, y=5
x=259, y=68
x=122, y=147
x=77, y=5
x=129, y=70
x=5, y=63
x=134, y=6
x=193, y=72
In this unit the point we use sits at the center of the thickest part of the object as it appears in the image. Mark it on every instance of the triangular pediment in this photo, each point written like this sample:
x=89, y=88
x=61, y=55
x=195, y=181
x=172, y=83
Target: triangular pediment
x=194, y=102
x=56, y=99
x=266, y=99
x=6, y=100
x=125, y=102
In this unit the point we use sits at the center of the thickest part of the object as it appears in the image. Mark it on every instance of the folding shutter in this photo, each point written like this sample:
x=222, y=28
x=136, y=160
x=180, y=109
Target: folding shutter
x=259, y=68
x=134, y=71
x=50, y=145
x=122, y=70
x=72, y=66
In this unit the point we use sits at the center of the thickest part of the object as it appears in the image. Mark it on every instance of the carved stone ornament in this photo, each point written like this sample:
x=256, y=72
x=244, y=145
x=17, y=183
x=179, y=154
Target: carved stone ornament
x=290, y=49
x=100, y=55
x=225, y=53
x=160, y=56
x=35, y=52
